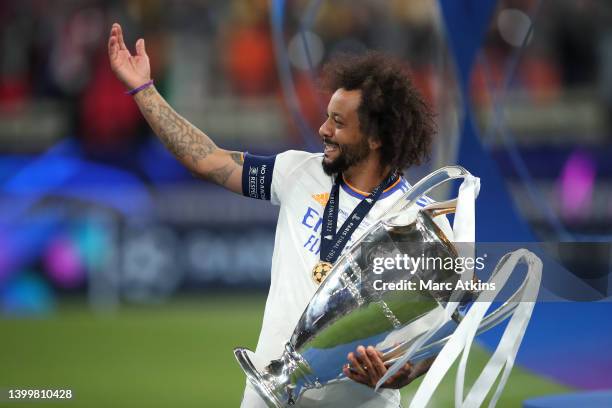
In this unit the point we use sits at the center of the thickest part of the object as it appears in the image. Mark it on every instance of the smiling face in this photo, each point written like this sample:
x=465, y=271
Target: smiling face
x=345, y=144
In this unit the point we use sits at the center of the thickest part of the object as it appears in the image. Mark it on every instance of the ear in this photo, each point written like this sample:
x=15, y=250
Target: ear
x=374, y=143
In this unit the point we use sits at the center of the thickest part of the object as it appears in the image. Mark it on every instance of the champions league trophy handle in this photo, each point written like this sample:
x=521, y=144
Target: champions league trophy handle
x=427, y=184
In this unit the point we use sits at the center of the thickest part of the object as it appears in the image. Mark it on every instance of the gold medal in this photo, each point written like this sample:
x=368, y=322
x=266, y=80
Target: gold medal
x=320, y=271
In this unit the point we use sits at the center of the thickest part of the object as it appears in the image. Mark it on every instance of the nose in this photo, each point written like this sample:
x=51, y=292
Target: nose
x=325, y=130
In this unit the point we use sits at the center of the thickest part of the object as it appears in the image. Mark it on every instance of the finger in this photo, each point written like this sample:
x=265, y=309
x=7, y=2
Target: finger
x=377, y=364
x=120, y=37
x=112, y=47
x=140, y=48
x=115, y=32
x=356, y=365
x=355, y=376
x=360, y=360
x=365, y=360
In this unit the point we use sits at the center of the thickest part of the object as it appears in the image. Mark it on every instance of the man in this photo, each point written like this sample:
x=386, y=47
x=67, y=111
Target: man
x=377, y=124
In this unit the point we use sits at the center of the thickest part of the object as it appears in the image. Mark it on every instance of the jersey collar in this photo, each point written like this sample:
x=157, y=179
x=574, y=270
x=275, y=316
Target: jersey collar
x=399, y=183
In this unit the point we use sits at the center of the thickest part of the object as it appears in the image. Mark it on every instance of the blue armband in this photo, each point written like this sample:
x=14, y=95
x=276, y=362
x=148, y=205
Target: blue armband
x=257, y=176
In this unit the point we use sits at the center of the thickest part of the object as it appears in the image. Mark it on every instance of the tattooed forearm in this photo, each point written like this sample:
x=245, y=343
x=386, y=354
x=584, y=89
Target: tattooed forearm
x=190, y=145
x=183, y=139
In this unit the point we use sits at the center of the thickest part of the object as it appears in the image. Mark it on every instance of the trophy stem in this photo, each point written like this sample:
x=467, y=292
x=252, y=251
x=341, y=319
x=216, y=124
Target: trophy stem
x=255, y=378
x=281, y=382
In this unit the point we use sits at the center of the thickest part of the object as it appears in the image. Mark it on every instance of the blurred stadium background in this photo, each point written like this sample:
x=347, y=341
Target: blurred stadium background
x=127, y=280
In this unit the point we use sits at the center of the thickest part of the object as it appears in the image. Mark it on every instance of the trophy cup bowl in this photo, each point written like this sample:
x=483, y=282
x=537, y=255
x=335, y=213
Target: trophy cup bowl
x=350, y=308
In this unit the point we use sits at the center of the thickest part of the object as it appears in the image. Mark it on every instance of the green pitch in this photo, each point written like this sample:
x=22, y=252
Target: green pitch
x=173, y=355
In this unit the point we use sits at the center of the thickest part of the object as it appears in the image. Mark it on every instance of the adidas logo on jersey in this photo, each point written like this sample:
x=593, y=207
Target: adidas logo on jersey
x=322, y=198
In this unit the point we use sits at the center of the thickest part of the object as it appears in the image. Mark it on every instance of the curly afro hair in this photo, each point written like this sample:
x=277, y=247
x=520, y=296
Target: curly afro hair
x=391, y=108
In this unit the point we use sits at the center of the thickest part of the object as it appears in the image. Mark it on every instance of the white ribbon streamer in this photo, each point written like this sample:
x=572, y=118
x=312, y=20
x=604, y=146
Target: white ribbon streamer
x=506, y=351
x=461, y=340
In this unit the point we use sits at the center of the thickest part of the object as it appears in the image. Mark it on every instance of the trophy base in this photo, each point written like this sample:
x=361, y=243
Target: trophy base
x=255, y=377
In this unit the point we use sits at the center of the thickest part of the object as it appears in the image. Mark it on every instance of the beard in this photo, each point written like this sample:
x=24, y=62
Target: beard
x=349, y=155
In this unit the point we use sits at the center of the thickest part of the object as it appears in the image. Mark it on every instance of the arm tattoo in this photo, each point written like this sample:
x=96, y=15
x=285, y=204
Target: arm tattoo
x=221, y=175
x=237, y=158
x=180, y=137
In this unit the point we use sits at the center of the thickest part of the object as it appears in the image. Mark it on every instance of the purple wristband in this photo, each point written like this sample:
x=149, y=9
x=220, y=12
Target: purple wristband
x=140, y=88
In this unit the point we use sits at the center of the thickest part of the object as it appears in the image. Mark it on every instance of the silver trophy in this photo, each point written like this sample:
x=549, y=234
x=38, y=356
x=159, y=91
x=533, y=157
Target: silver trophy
x=351, y=309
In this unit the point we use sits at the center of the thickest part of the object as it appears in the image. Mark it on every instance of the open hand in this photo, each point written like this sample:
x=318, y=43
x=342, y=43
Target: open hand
x=367, y=367
x=132, y=70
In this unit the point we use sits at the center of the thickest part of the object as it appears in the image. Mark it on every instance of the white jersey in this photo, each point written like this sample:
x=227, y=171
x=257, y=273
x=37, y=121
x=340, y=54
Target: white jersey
x=298, y=184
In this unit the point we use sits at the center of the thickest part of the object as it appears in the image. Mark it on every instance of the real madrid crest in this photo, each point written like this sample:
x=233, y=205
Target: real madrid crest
x=320, y=271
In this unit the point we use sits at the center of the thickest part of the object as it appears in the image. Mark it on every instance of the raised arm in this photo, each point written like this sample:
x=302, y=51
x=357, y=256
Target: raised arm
x=192, y=147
